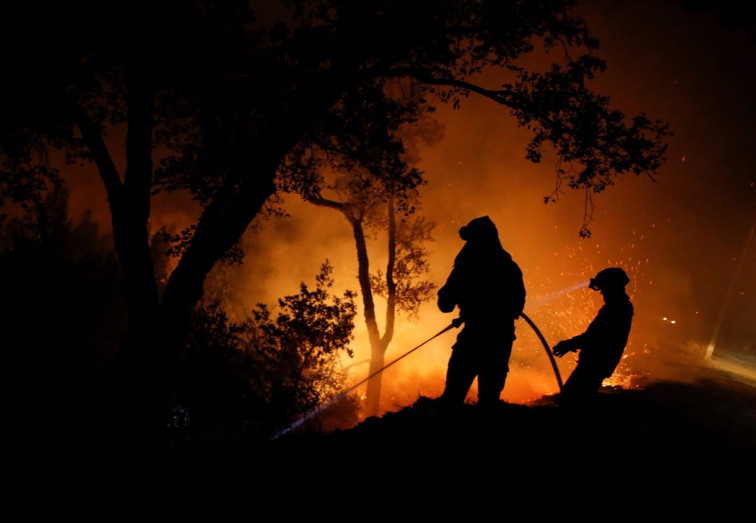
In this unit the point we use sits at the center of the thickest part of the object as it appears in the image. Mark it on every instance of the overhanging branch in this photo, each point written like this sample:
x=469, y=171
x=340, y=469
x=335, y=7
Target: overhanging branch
x=499, y=96
x=325, y=202
x=93, y=138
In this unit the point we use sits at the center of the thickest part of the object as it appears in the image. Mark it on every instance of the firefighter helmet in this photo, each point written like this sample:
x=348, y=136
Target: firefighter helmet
x=478, y=229
x=611, y=278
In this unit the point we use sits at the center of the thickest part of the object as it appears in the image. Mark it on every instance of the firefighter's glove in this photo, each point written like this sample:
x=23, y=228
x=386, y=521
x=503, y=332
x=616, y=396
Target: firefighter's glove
x=562, y=348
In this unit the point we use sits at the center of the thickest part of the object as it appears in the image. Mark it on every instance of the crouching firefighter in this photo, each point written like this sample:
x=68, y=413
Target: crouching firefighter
x=487, y=287
x=602, y=344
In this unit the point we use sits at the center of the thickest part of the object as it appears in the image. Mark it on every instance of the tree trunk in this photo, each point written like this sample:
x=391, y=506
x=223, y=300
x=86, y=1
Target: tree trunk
x=220, y=227
x=129, y=203
x=157, y=330
x=378, y=343
x=133, y=242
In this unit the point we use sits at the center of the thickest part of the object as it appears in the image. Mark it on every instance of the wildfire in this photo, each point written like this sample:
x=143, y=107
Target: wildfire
x=561, y=307
x=624, y=379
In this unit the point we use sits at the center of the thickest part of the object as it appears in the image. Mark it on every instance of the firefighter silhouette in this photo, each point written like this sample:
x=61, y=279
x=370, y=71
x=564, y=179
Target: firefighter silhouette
x=486, y=285
x=603, y=342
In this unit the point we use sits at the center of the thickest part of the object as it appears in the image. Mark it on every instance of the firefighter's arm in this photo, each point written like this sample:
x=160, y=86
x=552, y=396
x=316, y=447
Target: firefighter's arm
x=565, y=346
x=447, y=298
x=518, y=293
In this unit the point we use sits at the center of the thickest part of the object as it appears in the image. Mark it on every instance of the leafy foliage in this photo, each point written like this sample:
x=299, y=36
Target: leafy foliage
x=411, y=264
x=254, y=377
x=311, y=80
x=358, y=151
x=302, y=342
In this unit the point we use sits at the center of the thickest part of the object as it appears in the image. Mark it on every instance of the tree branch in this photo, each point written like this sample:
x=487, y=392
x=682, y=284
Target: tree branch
x=332, y=204
x=498, y=96
x=138, y=175
x=90, y=132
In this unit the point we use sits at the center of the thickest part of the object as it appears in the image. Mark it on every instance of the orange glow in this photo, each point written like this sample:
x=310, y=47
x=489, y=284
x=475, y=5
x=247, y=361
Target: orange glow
x=474, y=173
x=675, y=238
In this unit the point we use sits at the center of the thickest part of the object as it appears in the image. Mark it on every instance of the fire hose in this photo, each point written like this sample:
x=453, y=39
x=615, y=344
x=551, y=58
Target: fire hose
x=453, y=325
x=545, y=346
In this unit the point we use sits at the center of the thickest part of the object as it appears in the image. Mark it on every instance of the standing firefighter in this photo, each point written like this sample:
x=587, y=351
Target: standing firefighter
x=486, y=285
x=602, y=344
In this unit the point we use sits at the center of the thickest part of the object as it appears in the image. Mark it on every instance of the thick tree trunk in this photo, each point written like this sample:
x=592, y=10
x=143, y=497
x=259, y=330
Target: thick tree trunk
x=129, y=202
x=220, y=228
x=132, y=237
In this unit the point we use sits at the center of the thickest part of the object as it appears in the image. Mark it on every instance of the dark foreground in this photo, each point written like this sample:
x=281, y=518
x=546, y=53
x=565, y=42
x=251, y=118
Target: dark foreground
x=687, y=446
x=670, y=447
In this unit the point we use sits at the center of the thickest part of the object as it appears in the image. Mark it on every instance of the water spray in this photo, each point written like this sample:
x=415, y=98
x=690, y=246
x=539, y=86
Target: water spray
x=543, y=300
x=453, y=325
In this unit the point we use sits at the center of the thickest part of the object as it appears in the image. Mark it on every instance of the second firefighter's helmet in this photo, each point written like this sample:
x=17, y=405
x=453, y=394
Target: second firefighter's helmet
x=611, y=278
